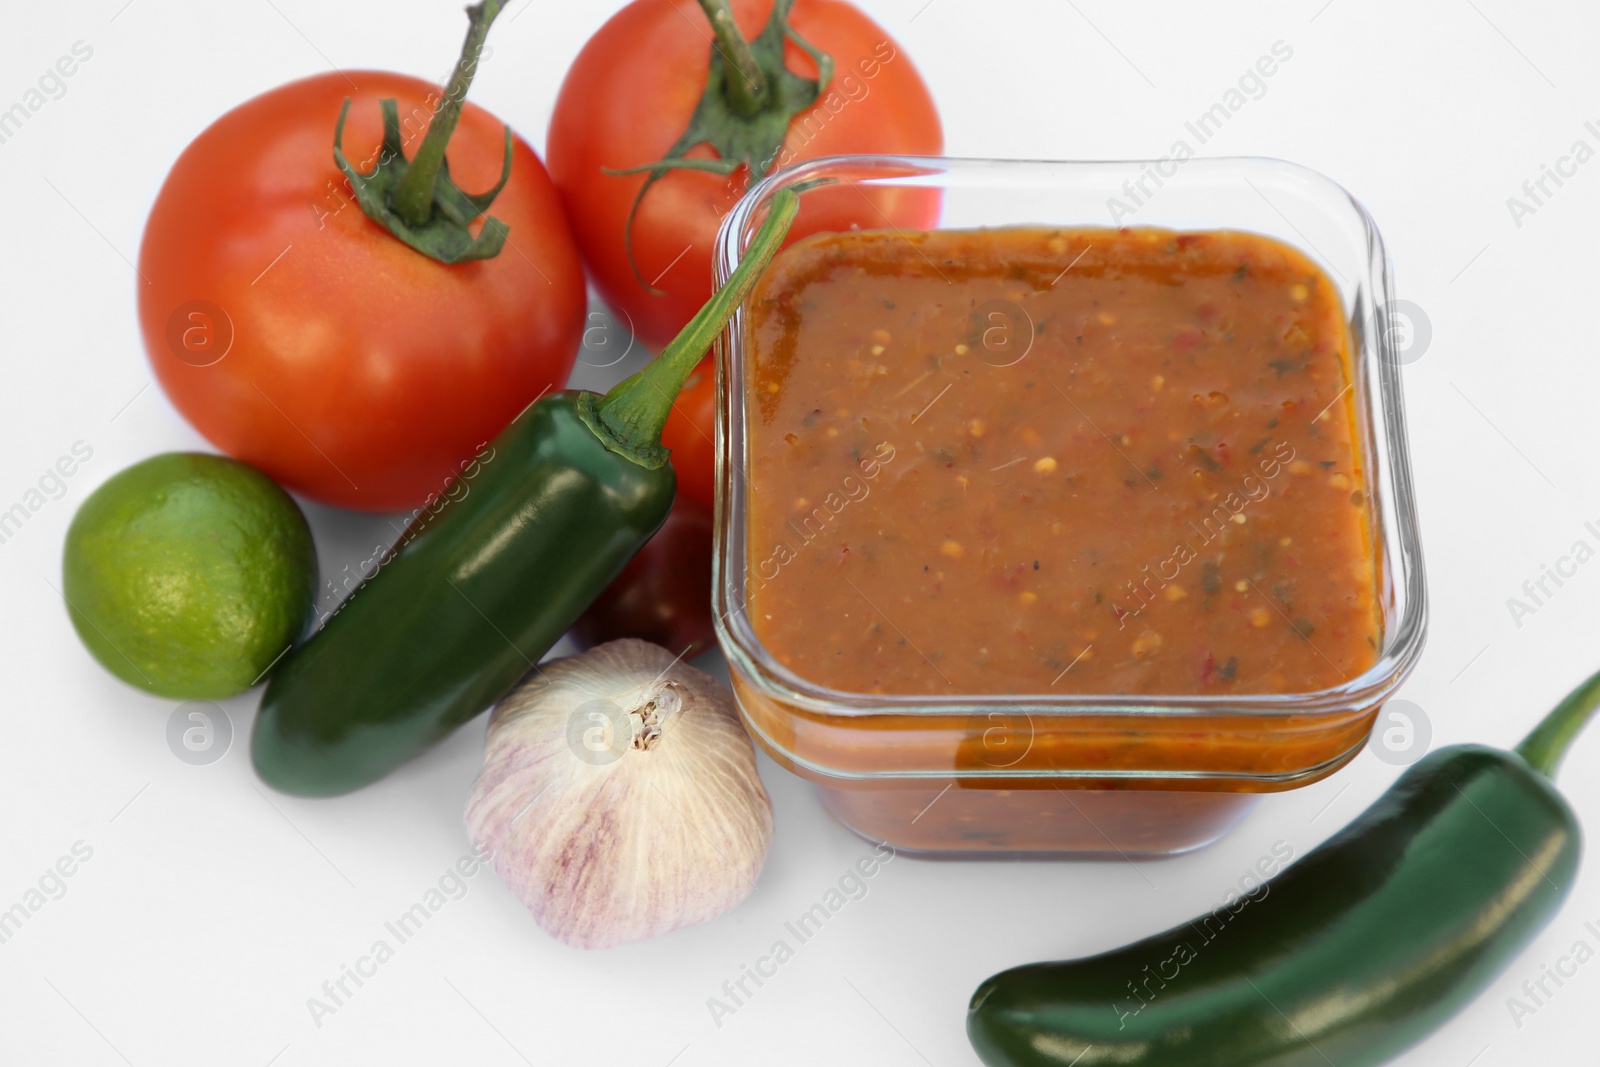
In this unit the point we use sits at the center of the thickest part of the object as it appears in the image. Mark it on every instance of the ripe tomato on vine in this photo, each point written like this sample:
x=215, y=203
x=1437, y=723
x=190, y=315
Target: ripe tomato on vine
x=320, y=306
x=669, y=113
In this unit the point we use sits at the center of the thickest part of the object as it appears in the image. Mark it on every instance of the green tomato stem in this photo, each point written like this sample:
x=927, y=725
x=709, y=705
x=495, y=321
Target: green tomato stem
x=632, y=415
x=747, y=82
x=413, y=197
x=1548, y=743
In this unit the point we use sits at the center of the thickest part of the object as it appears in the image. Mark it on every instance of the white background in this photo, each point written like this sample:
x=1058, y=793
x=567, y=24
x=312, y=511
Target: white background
x=212, y=908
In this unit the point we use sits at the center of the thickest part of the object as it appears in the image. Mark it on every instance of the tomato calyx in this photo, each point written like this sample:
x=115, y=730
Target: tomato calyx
x=415, y=199
x=750, y=97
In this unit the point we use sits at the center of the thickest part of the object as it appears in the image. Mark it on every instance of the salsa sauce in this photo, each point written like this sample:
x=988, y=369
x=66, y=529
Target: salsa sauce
x=1056, y=461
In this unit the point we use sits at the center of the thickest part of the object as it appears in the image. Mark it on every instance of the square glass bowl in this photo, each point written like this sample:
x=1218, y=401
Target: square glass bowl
x=1078, y=774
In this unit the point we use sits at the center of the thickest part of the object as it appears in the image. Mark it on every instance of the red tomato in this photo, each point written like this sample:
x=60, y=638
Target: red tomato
x=631, y=93
x=664, y=593
x=690, y=433
x=299, y=336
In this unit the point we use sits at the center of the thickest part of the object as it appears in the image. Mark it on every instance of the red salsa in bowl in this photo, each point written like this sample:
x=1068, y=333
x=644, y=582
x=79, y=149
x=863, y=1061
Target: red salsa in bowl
x=1062, y=539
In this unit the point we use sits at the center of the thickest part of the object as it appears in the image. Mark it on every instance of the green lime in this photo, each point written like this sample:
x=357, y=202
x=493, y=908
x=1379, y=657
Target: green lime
x=189, y=574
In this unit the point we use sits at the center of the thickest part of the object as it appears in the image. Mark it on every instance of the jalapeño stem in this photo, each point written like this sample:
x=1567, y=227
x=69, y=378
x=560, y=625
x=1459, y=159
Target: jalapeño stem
x=413, y=197
x=746, y=82
x=632, y=414
x=1548, y=743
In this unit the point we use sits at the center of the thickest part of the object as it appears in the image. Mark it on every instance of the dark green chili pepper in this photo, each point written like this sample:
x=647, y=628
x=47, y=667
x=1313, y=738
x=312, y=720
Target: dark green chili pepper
x=1349, y=956
x=476, y=593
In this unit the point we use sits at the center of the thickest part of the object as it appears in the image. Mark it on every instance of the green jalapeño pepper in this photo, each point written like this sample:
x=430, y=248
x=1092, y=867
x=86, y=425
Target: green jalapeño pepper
x=474, y=594
x=1349, y=956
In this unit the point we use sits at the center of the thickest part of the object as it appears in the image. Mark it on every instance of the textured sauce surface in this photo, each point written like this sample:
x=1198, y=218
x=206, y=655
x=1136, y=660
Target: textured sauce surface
x=1056, y=461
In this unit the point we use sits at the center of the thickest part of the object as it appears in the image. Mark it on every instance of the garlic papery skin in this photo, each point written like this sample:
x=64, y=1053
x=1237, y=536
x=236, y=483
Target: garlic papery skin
x=619, y=796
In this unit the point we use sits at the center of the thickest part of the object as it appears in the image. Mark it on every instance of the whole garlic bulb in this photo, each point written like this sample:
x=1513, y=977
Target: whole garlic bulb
x=619, y=796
